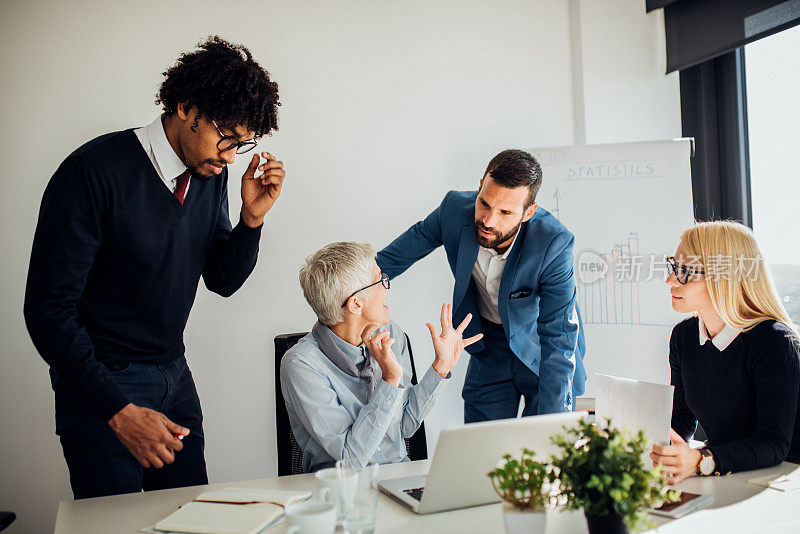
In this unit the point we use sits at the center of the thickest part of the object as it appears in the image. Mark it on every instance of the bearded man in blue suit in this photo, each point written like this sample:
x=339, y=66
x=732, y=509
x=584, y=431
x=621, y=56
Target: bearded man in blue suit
x=513, y=268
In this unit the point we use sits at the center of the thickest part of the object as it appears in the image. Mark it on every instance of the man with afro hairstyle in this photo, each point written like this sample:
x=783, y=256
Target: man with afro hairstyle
x=128, y=224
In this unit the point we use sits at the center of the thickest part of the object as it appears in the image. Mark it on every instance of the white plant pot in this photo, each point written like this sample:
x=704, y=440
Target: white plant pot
x=524, y=521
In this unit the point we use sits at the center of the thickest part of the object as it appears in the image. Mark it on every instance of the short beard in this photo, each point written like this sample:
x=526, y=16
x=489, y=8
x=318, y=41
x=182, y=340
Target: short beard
x=498, y=239
x=194, y=170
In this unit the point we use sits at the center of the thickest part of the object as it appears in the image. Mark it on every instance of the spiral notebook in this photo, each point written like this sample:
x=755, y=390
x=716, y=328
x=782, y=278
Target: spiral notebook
x=230, y=511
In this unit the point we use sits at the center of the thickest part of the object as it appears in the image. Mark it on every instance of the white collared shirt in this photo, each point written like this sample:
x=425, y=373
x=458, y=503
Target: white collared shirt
x=724, y=338
x=487, y=273
x=166, y=162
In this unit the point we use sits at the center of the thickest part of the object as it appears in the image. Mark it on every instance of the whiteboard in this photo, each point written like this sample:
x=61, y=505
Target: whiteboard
x=627, y=205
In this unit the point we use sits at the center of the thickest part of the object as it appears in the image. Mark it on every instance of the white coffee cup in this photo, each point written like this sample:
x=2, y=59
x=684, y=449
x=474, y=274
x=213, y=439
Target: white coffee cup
x=311, y=517
x=336, y=487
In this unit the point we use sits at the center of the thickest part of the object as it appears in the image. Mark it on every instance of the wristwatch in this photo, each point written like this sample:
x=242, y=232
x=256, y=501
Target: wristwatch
x=707, y=463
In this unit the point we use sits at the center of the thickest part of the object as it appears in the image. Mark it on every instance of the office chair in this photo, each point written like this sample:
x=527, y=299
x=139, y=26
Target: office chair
x=290, y=456
x=6, y=518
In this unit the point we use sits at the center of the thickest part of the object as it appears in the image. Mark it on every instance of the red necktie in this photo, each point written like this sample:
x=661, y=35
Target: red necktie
x=180, y=189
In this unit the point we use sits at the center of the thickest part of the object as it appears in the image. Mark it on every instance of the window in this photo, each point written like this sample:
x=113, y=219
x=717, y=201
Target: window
x=773, y=116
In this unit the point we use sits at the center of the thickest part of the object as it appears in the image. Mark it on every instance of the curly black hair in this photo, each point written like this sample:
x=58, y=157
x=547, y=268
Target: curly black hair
x=225, y=83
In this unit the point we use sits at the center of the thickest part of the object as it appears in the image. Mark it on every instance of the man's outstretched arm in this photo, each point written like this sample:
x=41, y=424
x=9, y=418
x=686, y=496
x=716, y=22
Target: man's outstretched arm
x=413, y=244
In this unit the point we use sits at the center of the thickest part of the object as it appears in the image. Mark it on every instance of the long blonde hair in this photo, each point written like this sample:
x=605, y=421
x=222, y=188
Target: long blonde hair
x=738, y=280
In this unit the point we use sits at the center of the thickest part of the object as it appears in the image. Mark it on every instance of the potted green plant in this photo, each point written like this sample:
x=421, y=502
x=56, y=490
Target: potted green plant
x=524, y=485
x=601, y=471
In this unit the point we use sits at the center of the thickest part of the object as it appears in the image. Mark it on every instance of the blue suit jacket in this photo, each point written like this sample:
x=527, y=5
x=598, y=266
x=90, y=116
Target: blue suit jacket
x=537, y=300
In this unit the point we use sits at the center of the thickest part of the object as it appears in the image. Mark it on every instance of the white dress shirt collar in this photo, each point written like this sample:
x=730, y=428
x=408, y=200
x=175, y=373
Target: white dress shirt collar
x=505, y=254
x=724, y=338
x=171, y=165
x=166, y=162
x=488, y=273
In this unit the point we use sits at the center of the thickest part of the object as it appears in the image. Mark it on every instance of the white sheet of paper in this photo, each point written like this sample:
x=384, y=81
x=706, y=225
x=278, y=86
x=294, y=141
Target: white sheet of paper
x=635, y=405
x=788, y=482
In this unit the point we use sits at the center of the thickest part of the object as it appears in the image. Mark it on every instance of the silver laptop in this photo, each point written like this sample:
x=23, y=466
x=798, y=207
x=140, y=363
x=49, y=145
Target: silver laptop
x=465, y=454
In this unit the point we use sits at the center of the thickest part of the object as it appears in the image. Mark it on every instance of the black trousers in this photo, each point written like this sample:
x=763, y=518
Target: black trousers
x=99, y=464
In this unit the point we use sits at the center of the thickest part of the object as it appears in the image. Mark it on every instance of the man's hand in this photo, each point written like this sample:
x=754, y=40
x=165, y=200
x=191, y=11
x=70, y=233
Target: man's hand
x=259, y=193
x=449, y=344
x=679, y=460
x=379, y=346
x=148, y=435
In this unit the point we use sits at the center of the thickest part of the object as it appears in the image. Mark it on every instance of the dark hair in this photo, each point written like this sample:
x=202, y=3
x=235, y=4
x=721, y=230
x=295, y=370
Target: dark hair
x=516, y=168
x=225, y=83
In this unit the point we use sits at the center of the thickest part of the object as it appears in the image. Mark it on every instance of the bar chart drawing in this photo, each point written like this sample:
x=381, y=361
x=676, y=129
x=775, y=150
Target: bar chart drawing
x=613, y=299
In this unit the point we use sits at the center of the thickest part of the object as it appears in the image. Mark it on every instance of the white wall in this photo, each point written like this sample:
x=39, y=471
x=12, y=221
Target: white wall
x=386, y=106
x=627, y=95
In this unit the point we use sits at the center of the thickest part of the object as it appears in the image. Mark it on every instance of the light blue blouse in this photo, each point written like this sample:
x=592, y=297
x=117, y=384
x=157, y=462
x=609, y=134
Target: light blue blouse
x=329, y=412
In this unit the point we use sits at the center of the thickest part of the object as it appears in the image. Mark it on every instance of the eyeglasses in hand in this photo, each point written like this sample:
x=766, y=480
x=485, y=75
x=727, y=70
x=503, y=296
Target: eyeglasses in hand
x=228, y=142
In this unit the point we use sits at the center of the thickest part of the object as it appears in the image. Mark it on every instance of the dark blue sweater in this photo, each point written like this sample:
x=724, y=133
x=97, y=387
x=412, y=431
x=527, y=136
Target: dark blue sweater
x=116, y=261
x=746, y=397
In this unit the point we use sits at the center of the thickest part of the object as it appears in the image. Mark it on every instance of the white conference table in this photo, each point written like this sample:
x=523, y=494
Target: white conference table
x=738, y=507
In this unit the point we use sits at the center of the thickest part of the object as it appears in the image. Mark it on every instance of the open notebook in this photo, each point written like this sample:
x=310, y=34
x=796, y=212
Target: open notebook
x=230, y=511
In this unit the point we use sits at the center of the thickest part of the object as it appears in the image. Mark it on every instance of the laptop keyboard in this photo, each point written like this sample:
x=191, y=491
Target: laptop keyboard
x=415, y=493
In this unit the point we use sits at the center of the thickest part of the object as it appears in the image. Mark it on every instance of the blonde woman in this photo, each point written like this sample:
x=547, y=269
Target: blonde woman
x=734, y=363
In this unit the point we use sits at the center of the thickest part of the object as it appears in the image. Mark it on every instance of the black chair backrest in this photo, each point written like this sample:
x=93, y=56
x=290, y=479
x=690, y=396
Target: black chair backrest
x=290, y=456
x=6, y=518
x=417, y=444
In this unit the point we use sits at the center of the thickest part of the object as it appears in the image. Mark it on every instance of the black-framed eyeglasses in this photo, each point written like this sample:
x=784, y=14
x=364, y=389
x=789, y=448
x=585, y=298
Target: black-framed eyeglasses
x=384, y=280
x=682, y=272
x=228, y=142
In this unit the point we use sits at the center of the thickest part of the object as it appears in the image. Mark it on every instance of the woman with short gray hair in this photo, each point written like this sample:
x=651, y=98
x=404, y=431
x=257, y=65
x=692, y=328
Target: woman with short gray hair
x=347, y=390
x=331, y=274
